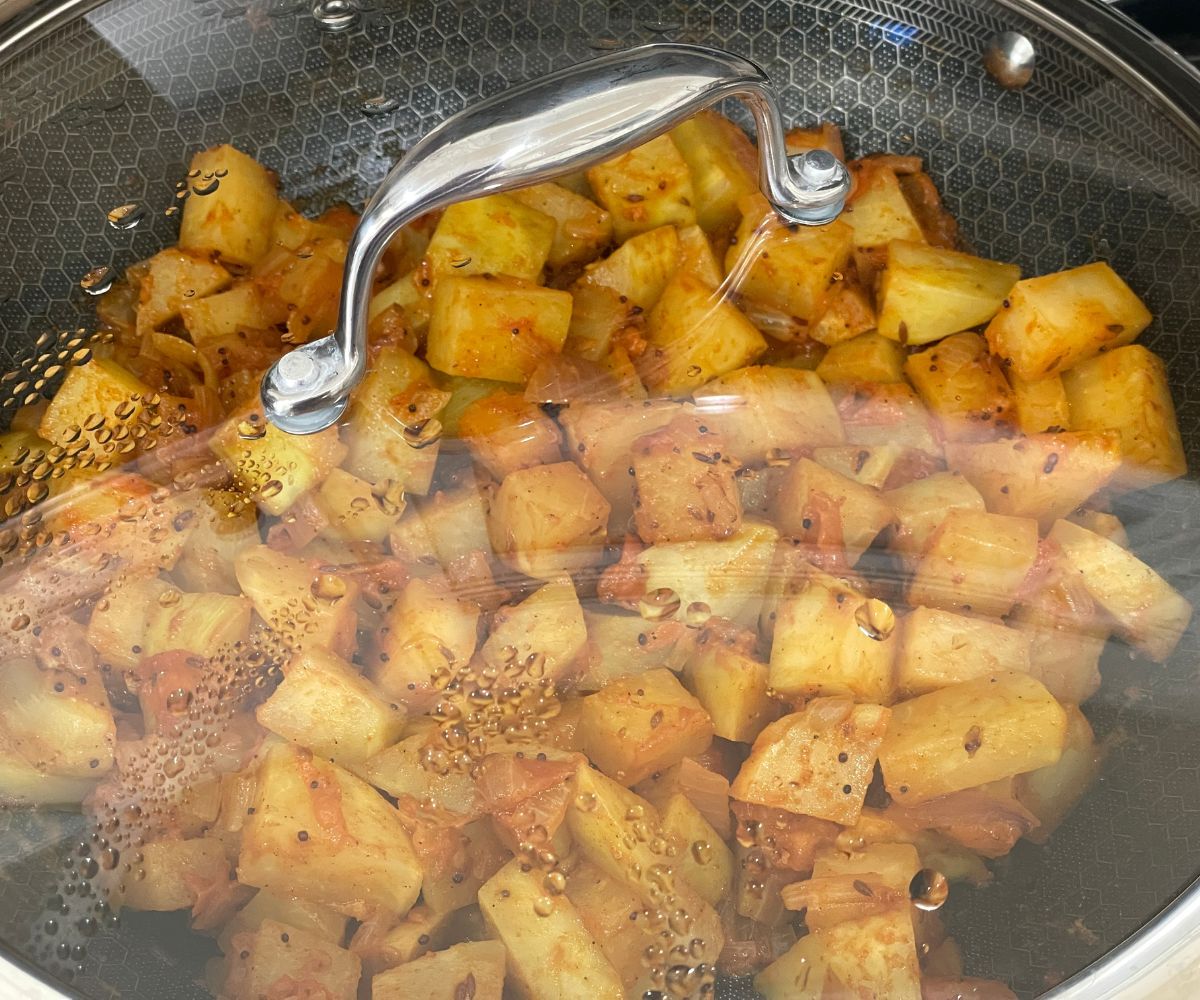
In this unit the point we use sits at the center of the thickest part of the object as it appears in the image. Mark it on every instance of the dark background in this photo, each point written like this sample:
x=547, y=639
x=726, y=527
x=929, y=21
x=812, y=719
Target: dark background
x=1179, y=28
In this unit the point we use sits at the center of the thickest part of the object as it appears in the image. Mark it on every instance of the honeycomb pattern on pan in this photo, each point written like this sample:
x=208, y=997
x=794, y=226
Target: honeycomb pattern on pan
x=1075, y=167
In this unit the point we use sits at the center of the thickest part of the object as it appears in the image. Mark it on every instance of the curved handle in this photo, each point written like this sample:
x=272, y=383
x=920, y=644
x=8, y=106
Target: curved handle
x=531, y=133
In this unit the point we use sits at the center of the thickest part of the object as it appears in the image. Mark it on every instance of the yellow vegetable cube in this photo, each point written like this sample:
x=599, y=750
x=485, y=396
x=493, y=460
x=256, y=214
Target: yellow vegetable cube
x=871, y=467
x=829, y=510
x=312, y=917
x=643, y=723
x=22, y=784
x=582, y=229
x=969, y=734
x=960, y=382
x=819, y=647
x=724, y=167
x=766, y=410
x=99, y=387
x=328, y=706
x=470, y=969
x=549, y=520
x=638, y=270
x=548, y=623
x=927, y=293
x=173, y=868
x=1051, y=323
x=484, y=327
x=605, y=906
x=497, y=234
x=235, y=220
x=815, y=762
x=267, y=962
x=320, y=833
x=1051, y=792
x=1148, y=611
x=919, y=508
x=975, y=562
x=877, y=211
x=694, y=336
x=1126, y=391
x=704, y=858
x=505, y=432
x=425, y=632
x=1043, y=476
x=351, y=511
x=869, y=357
x=786, y=268
x=241, y=309
x=732, y=687
x=647, y=187
x=398, y=771
x=455, y=524
x=847, y=312
x=939, y=648
x=172, y=278
x=886, y=413
x=550, y=957
x=1039, y=406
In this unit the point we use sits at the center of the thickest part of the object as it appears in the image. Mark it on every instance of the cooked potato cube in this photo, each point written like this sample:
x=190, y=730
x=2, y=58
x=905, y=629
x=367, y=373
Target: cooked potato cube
x=388, y=411
x=647, y=187
x=975, y=562
x=505, y=432
x=875, y=413
x=894, y=864
x=732, y=687
x=398, y=771
x=326, y=705
x=241, y=309
x=351, y=511
x=606, y=907
x=320, y=833
x=548, y=623
x=173, y=870
x=600, y=438
x=310, y=607
x=846, y=314
x=820, y=648
x=707, y=867
x=871, y=467
x=959, y=381
x=919, y=508
x=877, y=211
x=454, y=523
x=765, y=410
x=1051, y=792
x=643, y=723
x=470, y=969
x=549, y=520
x=484, y=327
x=816, y=762
x=620, y=644
x=927, y=293
x=1042, y=476
x=829, y=510
x=425, y=633
x=550, y=957
x=59, y=726
x=22, y=784
x=639, y=269
x=1052, y=323
x=305, y=287
x=272, y=465
x=99, y=387
x=1102, y=523
x=786, y=268
x=873, y=956
x=969, y=734
x=497, y=234
x=694, y=336
x=1126, y=391
x=684, y=483
x=269, y=961
x=869, y=357
x=582, y=229
x=697, y=258
x=729, y=576
x=939, y=648
x=299, y=913
x=1040, y=406
x=724, y=167
x=235, y=219
x=1148, y=611
x=173, y=278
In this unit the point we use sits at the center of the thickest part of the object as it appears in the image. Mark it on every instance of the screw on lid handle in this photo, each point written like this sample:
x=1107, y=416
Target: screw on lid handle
x=526, y=135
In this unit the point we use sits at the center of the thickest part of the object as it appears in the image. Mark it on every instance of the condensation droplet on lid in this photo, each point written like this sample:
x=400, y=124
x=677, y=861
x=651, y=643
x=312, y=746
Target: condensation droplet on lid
x=543, y=906
x=697, y=614
x=125, y=217
x=335, y=15
x=424, y=434
x=205, y=186
x=875, y=619
x=380, y=105
x=98, y=280
x=604, y=43
x=659, y=604
x=929, y=889
x=249, y=430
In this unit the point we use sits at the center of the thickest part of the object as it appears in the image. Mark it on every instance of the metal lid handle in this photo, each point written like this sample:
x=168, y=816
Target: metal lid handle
x=526, y=135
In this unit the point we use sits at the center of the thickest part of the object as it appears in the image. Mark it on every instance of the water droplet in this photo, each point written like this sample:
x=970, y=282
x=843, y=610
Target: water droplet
x=125, y=217
x=424, y=434
x=543, y=906
x=604, y=43
x=929, y=889
x=98, y=280
x=694, y=371
x=271, y=488
x=555, y=883
x=173, y=766
x=702, y=851
x=659, y=604
x=875, y=619
x=250, y=430
x=327, y=587
x=335, y=15
x=20, y=623
x=380, y=105
x=206, y=185
x=585, y=802
x=697, y=614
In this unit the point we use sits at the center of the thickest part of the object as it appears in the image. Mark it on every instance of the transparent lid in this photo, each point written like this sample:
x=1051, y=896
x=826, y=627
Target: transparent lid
x=859, y=572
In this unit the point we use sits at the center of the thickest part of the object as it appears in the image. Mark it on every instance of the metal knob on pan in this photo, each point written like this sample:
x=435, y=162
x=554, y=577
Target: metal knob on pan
x=529, y=134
